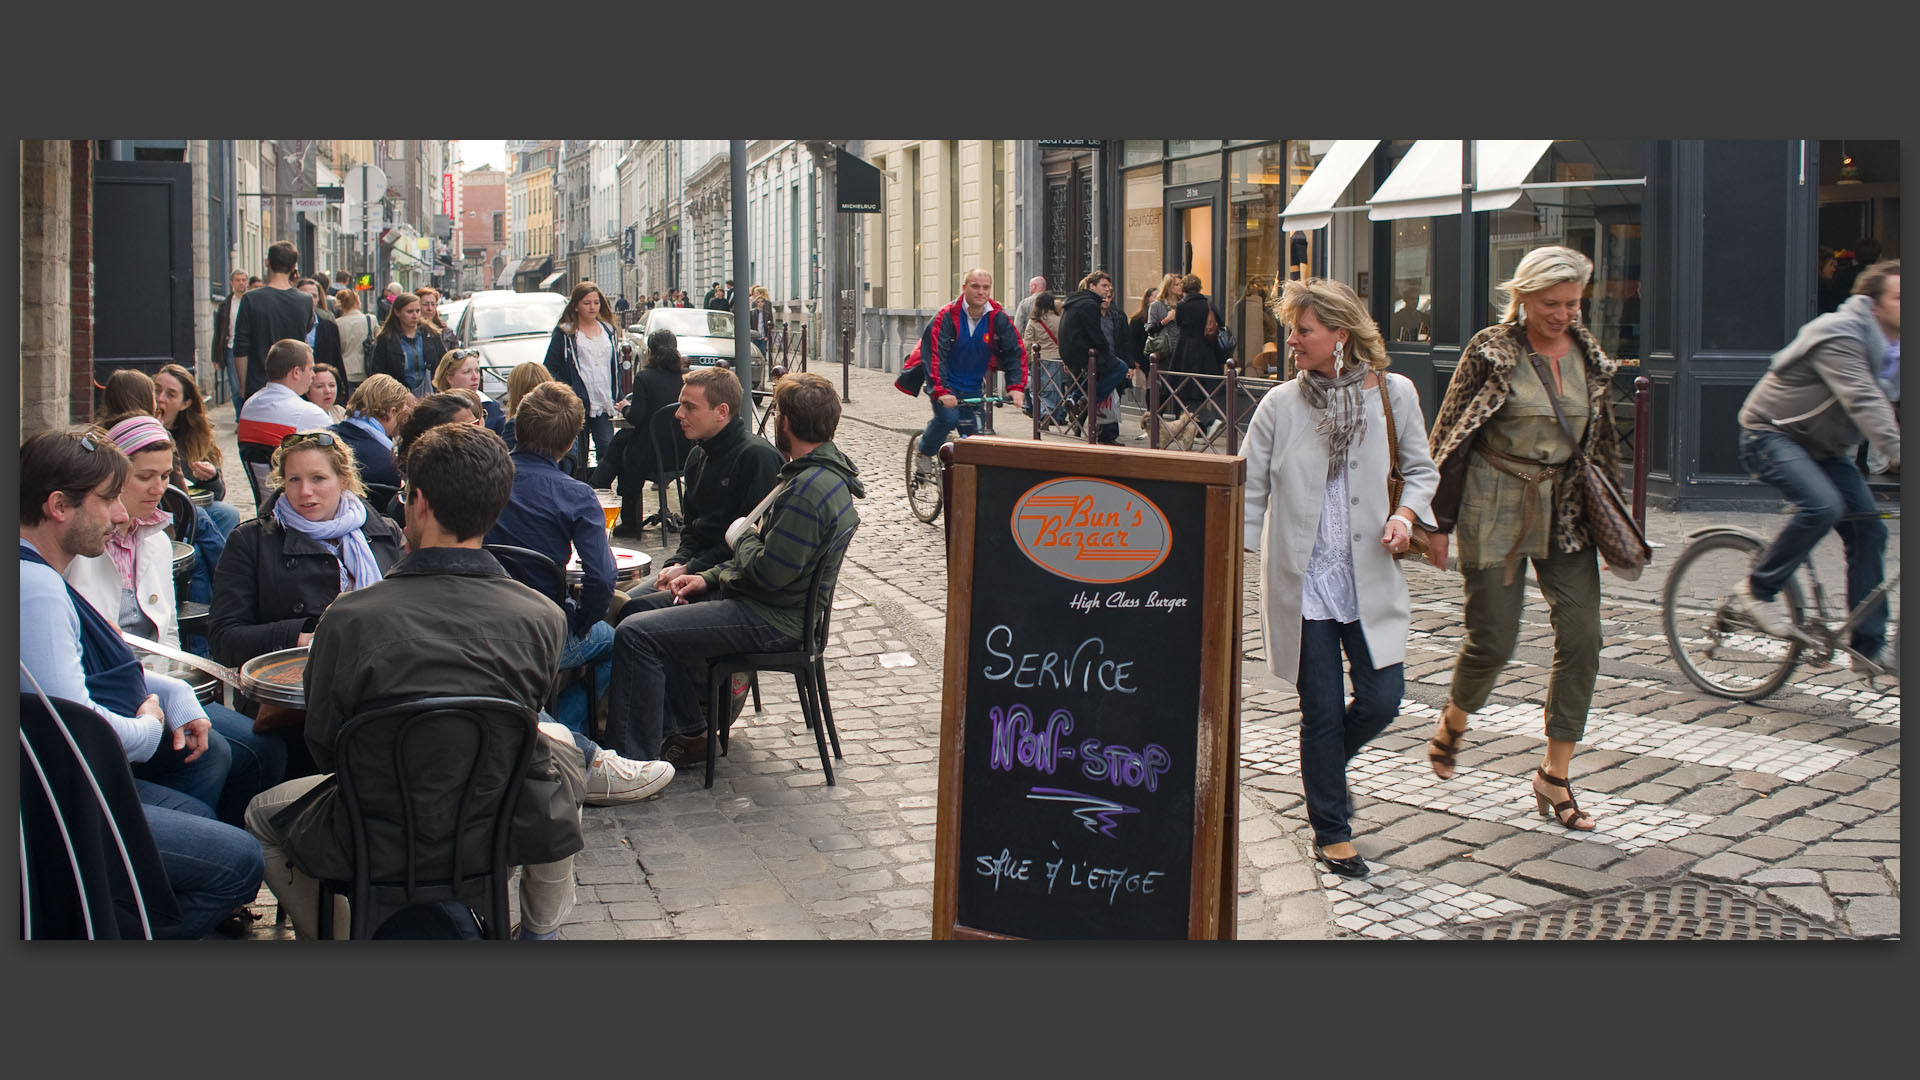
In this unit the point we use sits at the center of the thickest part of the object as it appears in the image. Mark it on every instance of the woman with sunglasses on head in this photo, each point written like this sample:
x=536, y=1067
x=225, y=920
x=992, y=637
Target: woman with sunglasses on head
x=316, y=537
x=460, y=369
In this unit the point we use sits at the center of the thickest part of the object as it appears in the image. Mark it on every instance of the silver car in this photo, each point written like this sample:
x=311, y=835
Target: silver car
x=509, y=329
x=705, y=337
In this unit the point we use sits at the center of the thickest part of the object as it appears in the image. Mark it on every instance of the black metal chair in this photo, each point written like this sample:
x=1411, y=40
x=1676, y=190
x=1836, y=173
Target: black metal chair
x=807, y=665
x=258, y=461
x=380, y=497
x=441, y=804
x=670, y=450
x=548, y=578
x=192, y=616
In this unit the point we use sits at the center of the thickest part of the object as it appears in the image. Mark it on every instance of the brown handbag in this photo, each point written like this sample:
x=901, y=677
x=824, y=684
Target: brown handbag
x=1609, y=519
x=1418, y=538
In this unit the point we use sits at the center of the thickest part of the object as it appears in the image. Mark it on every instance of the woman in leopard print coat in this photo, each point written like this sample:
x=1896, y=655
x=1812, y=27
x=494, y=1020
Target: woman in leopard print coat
x=1507, y=503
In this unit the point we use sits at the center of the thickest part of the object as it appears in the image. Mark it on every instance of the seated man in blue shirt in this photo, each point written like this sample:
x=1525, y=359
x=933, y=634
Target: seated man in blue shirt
x=552, y=513
x=69, y=502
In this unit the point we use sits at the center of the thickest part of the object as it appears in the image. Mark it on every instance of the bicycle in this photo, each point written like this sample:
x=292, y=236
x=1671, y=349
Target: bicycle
x=923, y=487
x=1722, y=650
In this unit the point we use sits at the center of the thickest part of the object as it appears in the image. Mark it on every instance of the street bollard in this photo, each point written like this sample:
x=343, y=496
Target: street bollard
x=1090, y=424
x=1233, y=408
x=1642, y=447
x=846, y=361
x=1035, y=394
x=803, y=347
x=1153, y=402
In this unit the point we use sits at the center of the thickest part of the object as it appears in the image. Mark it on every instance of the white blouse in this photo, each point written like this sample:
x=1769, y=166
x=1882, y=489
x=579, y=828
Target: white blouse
x=1328, y=591
x=593, y=355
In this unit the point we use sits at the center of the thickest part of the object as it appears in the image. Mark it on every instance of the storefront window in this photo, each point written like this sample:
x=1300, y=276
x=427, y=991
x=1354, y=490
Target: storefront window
x=1602, y=223
x=1180, y=147
x=1139, y=151
x=1253, y=252
x=1141, y=264
x=1409, y=271
x=1194, y=170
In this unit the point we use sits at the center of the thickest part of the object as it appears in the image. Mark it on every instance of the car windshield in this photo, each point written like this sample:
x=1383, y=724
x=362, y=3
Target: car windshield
x=692, y=322
x=528, y=313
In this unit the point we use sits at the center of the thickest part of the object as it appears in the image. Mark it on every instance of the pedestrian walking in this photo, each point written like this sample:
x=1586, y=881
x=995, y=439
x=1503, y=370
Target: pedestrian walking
x=357, y=334
x=1195, y=353
x=1318, y=460
x=1041, y=332
x=1497, y=433
x=223, y=325
x=269, y=314
x=583, y=353
x=404, y=349
x=760, y=318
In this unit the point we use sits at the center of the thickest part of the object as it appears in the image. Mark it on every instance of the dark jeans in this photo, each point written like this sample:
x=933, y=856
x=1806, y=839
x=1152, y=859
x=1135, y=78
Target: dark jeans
x=660, y=655
x=600, y=428
x=947, y=418
x=1333, y=729
x=211, y=867
x=236, y=766
x=1821, y=489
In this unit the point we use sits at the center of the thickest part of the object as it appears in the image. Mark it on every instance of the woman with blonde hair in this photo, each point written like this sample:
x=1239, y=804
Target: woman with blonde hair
x=430, y=316
x=524, y=377
x=460, y=370
x=374, y=415
x=1497, y=430
x=1317, y=464
x=584, y=353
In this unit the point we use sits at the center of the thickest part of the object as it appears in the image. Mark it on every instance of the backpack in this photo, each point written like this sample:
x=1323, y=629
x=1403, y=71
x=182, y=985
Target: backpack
x=913, y=374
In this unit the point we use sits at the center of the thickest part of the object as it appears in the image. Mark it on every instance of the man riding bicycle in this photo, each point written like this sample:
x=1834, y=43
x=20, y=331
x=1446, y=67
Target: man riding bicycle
x=1800, y=431
x=967, y=339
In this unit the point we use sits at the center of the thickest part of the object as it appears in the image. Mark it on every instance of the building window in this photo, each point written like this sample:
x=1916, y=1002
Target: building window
x=953, y=215
x=915, y=284
x=498, y=224
x=1602, y=223
x=997, y=242
x=1181, y=147
x=1139, y=151
x=1408, y=277
x=1143, y=232
x=793, y=250
x=1255, y=183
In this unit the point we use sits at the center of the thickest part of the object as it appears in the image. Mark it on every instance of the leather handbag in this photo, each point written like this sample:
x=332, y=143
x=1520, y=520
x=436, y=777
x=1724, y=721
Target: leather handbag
x=1609, y=518
x=1418, y=538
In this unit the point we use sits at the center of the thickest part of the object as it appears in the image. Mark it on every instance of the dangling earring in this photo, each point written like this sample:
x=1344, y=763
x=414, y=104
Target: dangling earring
x=1337, y=351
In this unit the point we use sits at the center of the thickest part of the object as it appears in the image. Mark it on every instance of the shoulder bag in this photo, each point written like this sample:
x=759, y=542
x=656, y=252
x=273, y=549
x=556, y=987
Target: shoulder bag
x=1418, y=538
x=1609, y=518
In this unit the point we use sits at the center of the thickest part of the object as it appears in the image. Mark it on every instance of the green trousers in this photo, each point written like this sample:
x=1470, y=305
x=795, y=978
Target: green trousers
x=1571, y=584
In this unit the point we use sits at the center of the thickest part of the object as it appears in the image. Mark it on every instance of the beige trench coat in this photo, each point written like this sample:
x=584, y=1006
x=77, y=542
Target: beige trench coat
x=1286, y=487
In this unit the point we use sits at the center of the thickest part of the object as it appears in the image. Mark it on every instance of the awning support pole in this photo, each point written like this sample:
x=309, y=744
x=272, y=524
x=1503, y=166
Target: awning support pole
x=1468, y=304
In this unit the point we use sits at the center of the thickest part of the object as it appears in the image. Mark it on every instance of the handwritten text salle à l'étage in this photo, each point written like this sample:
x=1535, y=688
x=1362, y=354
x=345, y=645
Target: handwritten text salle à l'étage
x=1114, y=881
x=1087, y=602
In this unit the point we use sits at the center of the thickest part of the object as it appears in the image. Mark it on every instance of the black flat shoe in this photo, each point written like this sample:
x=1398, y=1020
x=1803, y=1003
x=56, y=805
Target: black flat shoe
x=1354, y=867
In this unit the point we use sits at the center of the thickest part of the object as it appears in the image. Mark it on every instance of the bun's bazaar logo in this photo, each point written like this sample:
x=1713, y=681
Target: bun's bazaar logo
x=1084, y=529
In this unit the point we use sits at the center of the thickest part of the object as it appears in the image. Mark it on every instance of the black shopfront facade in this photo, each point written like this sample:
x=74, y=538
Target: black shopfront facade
x=1708, y=257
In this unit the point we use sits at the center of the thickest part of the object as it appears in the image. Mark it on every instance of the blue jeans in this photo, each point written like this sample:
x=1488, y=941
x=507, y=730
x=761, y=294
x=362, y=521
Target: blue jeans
x=234, y=389
x=600, y=428
x=1048, y=381
x=946, y=418
x=1333, y=729
x=573, y=706
x=209, y=543
x=236, y=766
x=211, y=867
x=1822, y=490
x=660, y=666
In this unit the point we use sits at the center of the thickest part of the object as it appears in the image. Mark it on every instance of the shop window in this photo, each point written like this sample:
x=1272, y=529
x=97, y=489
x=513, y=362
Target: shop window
x=1253, y=253
x=1407, y=278
x=1144, y=232
x=1181, y=147
x=1194, y=170
x=1139, y=151
x=1602, y=223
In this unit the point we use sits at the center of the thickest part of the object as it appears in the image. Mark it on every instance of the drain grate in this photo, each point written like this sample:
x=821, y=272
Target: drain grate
x=1686, y=909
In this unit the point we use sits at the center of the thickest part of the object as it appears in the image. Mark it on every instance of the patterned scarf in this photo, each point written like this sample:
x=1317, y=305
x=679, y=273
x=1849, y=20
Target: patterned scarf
x=123, y=545
x=1343, y=418
x=342, y=533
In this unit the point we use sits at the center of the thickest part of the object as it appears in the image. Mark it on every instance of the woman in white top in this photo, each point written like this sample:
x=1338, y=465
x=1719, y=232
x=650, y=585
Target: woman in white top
x=582, y=354
x=1317, y=468
x=357, y=332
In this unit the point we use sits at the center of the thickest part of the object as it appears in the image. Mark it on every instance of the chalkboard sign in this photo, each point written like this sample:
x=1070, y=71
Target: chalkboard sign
x=1091, y=694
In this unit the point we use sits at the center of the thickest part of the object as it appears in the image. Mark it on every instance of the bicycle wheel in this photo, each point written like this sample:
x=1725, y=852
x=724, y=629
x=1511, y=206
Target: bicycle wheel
x=1719, y=649
x=923, y=488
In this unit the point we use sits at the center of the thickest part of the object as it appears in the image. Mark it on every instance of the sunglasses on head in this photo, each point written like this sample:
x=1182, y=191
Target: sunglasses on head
x=317, y=438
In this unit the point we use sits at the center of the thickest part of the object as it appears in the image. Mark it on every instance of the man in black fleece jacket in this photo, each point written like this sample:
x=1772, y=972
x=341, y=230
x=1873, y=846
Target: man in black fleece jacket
x=1083, y=329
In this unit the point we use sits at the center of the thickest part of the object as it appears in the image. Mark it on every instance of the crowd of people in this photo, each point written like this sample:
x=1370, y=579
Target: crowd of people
x=377, y=518
x=372, y=548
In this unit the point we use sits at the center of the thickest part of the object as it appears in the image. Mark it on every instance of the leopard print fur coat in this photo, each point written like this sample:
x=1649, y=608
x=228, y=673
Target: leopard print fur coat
x=1480, y=387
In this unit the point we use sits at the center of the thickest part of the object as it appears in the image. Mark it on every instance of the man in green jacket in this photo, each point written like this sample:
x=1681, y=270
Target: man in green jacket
x=755, y=600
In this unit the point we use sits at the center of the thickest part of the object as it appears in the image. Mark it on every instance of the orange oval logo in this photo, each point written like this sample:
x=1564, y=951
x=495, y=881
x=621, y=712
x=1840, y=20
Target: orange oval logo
x=1091, y=530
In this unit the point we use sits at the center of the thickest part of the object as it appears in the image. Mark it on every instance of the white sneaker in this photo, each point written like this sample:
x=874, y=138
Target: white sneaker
x=1213, y=428
x=1762, y=613
x=926, y=464
x=613, y=779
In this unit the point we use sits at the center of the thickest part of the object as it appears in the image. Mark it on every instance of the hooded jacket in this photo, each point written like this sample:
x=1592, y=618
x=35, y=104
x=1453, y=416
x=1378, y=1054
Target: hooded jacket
x=1081, y=330
x=771, y=566
x=1823, y=389
x=1005, y=349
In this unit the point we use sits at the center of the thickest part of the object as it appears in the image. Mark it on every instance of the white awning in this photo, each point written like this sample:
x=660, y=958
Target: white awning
x=547, y=281
x=1427, y=181
x=1311, y=207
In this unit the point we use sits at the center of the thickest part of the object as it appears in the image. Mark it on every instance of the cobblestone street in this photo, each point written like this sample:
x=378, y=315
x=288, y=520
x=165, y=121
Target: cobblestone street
x=1788, y=809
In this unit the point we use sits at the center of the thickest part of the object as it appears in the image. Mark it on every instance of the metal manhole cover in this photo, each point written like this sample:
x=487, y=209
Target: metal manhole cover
x=1686, y=909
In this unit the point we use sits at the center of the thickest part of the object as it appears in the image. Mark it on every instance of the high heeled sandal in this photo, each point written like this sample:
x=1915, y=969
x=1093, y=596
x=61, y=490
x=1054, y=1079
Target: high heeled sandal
x=1440, y=751
x=1566, y=812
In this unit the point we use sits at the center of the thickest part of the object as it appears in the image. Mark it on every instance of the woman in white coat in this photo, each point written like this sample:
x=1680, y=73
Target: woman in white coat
x=1317, y=494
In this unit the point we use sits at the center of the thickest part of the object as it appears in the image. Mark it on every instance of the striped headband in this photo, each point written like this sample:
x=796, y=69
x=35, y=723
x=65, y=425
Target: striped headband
x=136, y=432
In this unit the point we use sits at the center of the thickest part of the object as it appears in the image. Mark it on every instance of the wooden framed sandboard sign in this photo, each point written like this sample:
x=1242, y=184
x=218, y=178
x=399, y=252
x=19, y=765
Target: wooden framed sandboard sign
x=1089, y=723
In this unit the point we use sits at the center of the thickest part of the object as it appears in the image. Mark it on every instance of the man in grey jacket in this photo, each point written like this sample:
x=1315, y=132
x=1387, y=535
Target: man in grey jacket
x=1800, y=431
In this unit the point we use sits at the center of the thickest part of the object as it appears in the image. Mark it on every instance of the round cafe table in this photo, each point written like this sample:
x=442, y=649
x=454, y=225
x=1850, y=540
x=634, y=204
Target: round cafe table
x=629, y=566
x=200, y=497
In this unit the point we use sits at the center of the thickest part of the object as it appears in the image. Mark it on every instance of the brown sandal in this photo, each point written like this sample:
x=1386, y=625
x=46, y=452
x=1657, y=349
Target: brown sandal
x=1566, y=812
x=1440, y=751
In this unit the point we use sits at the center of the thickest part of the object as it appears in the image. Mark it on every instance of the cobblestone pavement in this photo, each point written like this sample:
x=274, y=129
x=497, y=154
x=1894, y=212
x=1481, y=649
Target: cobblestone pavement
x=1792, y=802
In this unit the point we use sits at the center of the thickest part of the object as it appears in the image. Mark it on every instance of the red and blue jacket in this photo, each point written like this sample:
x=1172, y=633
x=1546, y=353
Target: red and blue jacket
x=940, y=349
